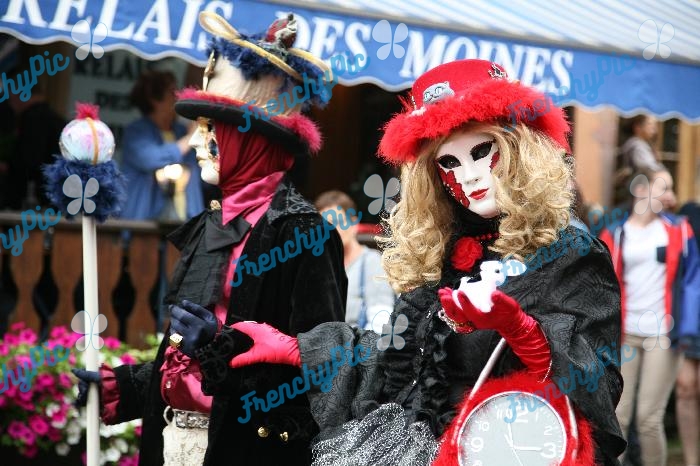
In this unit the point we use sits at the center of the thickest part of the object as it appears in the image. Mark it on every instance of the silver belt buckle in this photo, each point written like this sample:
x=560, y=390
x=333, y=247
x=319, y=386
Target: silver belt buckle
x=190, y=419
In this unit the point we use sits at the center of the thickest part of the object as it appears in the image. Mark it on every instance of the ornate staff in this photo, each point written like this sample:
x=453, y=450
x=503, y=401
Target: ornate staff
x=87, y=180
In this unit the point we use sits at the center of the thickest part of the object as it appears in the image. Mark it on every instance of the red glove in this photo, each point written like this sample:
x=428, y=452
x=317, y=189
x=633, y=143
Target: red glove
x=521, y=331
x=269, y=345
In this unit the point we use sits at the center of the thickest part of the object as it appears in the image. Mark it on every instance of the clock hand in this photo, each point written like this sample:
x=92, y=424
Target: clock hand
x=527, y=448
x=516, y=456
x=509, y=439
x=510, y=433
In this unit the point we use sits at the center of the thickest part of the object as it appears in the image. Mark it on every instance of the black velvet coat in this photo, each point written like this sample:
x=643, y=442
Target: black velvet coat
x=294, y=297
x=574, y=298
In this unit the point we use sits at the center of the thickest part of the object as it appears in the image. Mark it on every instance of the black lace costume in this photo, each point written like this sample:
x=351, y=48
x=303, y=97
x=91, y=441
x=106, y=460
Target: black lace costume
x=391, y=408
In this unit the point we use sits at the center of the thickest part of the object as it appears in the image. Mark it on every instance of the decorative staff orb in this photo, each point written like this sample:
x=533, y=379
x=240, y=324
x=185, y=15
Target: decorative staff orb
x=87, y=138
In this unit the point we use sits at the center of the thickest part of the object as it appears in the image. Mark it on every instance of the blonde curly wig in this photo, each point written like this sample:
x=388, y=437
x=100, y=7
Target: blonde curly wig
x=532, y=196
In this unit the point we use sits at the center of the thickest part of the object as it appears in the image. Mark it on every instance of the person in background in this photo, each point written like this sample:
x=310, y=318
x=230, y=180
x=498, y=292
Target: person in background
x=637, y=151
x=657, y=265
x=153, y=142
x=370, y=299
x=688, y=381
x=37, y=129
x=670, y=202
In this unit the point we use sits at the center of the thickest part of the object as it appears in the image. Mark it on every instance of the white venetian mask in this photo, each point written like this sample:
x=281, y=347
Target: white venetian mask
x=465, y=162
x=203, y=142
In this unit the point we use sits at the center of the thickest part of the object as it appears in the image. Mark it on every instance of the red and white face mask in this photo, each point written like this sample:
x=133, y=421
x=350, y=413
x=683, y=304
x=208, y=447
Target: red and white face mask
x=464, y=163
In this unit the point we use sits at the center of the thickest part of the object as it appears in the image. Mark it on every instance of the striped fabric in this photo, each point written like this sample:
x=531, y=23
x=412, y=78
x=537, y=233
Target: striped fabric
x=610, y=25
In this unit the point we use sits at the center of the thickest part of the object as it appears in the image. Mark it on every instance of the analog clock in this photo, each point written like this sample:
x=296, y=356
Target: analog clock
x=537, y=437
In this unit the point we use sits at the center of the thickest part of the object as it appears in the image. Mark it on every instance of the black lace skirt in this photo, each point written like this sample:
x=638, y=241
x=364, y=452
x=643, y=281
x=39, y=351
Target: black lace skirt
x=382, y=437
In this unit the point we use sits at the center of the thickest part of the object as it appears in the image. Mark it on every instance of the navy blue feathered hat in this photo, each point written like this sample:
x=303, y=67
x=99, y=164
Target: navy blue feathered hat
x=261, y=83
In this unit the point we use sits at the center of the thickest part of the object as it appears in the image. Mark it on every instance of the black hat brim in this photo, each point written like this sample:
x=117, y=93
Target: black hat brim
x=234, y=115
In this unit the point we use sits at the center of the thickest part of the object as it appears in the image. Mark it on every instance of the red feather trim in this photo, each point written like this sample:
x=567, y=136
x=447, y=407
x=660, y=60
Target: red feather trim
x=486, y=102
x=85, y=110
x=297, y=123
x=466, y=252
x=525, y=382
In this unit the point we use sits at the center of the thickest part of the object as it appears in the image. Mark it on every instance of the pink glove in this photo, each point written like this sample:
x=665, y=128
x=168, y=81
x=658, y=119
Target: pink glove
x=269, y=346
x=521, y=331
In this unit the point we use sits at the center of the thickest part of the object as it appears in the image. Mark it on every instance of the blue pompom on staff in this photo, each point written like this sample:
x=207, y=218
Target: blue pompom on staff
x=86, y=180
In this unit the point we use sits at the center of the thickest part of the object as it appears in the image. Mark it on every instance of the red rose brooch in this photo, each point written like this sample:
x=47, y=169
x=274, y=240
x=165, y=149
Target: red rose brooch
x=466, y=253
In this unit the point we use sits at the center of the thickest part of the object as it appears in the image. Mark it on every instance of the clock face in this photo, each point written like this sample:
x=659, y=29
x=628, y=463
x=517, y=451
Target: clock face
x=535, y=437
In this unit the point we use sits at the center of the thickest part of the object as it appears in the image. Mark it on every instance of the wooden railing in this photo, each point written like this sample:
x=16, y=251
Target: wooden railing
x=42, y=286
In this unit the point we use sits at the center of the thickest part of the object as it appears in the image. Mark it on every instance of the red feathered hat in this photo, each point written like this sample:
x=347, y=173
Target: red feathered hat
x=455, y=93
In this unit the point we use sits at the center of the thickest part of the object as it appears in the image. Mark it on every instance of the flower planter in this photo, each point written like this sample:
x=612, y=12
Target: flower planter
x=43, y=415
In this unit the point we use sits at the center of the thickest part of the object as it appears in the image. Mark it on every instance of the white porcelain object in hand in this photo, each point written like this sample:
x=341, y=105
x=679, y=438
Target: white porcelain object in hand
x=492, y=276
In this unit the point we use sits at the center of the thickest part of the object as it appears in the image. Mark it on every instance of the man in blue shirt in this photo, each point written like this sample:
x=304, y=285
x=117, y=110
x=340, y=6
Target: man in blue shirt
x=155, y=141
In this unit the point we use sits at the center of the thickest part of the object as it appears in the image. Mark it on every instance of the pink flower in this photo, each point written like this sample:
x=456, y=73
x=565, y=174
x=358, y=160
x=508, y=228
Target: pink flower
x=38, y=425
x=11, y=340
x=17, y=326
x=112, y=343
x=29, y=437
x=58, y=332
x=27, y=336
x=44, y=381
x=11, y=392
x=137, y=430
x=16, y=429
x=65, y=381
x=54, y=434
x=58, y=416
x=23, y=359
x=4, y=349
x=126, y=358
x=130, y=460
x=25, y=396
x=70, y=340
x=71, y=359
x=25, y=404
x=30, y=451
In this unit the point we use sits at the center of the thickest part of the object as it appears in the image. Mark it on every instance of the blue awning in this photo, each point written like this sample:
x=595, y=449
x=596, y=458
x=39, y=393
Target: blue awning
x=554, y=45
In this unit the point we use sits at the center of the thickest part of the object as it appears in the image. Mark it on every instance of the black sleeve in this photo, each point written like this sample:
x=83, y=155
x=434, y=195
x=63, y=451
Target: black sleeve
x=214, y=358
x=354, y=389
x=320, y=286
x=133, y=381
